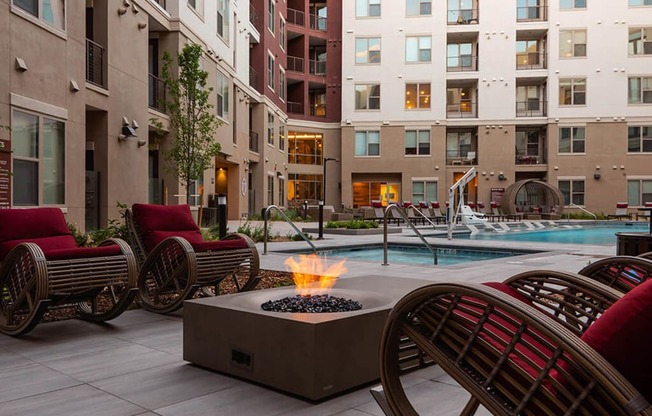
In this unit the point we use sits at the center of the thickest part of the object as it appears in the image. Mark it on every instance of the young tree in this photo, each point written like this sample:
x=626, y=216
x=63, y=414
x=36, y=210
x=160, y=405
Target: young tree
x=193, y=124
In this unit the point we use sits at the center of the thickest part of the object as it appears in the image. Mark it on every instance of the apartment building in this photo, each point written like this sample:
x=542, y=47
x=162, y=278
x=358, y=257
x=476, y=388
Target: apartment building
x=558, y=90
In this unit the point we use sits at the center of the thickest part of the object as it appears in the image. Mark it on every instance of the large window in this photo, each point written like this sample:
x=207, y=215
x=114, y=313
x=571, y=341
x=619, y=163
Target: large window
x=223, y=19
x=281, y=33
x=271, y=15
x=367, y=50
x=639, y=191
x=367, y=8
x=367, y=143
x=424, y=190
x=270, y=190
x=572, y=140
x=222, y=90
x=458, y=146
x=270, y=128
x=640, y=90
x=271, y=68
x=52, y=12
x=528, y=100
x=419, y=7
x=572, y=4
x=38, y=160
x=528, y=9
x=417, y=96
x=573, y=191
x=303, y=187
x=367, y=97
x=418, y=48
x=281, y=136
x=640, y=41
x=417, y=142
x=572, y=43
x=305, y=148
x=572, y=91
x=528, y=54
x=639, y=139
x=281, y=192
x=460, y=57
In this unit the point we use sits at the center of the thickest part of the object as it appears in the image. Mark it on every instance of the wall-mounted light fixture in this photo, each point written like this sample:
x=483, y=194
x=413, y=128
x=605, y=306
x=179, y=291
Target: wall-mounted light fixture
x=129, y=130
x=501, y=177
x=142, y=25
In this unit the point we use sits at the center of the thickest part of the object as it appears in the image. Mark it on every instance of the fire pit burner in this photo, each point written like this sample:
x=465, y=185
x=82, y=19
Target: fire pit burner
x=312, y=304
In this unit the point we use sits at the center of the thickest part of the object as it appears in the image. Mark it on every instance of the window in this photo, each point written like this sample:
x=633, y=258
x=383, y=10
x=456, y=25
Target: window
x=527, y=54
x=571, y=140
x=281, y=192
x=367, y=50
x=460, y=57
x=281, y=136
x=572, y=4
x=528, y=9
x=417, y=142
x=573, y=191
x=639, y=139
x=639, y=191
x=270, y=190
x=367, y=97
x=52, y=12
x=572, y=91
x=640, y=2
x=367, y=143
x=223, y=19
x=367, y=8
x=458, y=146
x=305, y=148
x=417, y=96
x=222, y=89
x=38, y=160
x=640, y=41
x=417, y=48
x=419, y=7
x=640, y=90
x=281, y=84
x=304, y=187
x=424, y=191
x=281, y=33
x=461, y=12
x=271, y=15
x=271, y=67
x=270, y=128
x=572, y=43
x=195, y=191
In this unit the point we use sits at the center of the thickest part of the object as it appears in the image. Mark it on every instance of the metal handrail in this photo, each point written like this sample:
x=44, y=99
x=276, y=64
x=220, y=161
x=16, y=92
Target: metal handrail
x=407, y=220
x=425, y=217
x=289, y=221
x=582, y=209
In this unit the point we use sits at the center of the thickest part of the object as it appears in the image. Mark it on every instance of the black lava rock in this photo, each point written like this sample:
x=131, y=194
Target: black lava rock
x=311, y=304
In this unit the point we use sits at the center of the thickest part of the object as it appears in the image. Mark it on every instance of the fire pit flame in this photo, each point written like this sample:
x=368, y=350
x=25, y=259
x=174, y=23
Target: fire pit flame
x=311, y=274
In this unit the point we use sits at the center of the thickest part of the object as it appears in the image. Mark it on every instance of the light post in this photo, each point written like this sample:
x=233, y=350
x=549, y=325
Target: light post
x=323, y=201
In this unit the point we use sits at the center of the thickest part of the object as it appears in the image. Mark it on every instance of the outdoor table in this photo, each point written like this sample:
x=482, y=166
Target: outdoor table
x=633, y=244
x=649, y=213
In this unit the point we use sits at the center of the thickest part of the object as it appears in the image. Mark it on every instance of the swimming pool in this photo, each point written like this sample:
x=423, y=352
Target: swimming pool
x=603, y=234
x=418, y=254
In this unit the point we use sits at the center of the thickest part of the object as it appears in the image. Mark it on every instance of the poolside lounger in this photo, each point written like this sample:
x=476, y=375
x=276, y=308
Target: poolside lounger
x=621, y=212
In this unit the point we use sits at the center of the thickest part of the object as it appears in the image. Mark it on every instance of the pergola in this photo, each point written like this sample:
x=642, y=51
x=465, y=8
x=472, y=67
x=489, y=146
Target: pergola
x=534, y=196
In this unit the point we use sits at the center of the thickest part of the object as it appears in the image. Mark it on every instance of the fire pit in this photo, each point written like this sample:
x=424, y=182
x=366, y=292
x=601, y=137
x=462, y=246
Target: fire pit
x=312, y=355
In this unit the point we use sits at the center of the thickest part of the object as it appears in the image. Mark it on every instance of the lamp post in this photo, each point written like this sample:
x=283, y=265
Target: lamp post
x=323, y=201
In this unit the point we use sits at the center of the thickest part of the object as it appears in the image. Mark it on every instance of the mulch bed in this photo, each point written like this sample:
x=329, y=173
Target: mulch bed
x=269, y=279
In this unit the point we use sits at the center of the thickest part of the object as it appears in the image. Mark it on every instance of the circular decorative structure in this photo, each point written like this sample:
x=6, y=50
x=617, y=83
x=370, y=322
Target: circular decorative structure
x=533, y=197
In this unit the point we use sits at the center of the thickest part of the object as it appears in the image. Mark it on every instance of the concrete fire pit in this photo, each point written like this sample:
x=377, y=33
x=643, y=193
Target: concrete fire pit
x=312, y=355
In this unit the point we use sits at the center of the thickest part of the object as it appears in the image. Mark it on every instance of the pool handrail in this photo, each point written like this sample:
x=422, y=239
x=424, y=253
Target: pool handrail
x=418, y=211
x=289, y=221
x=573, y=205
x=408, y=222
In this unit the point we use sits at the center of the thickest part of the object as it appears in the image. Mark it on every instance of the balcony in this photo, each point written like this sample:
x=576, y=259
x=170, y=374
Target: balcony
x=253, y=16
x=316, y=67
x=463, y=16
x=461, y=63
x=156, y=93
x=253, y=141
x=294, y=107
x=460, y=157
x=296, y=17
x=95, y=64
x=463, y=109
x=318, y=110
x=531, y=60
x=317, y=22
x=532, y=13
x=528, y=159
x=295, y=64
x=253, y=79
x=531, y=108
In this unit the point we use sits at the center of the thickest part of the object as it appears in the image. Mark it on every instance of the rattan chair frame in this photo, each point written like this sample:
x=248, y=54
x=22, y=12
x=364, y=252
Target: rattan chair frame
x=100, y=287
x=173, y=271
x=449, y=321
x=623, y=273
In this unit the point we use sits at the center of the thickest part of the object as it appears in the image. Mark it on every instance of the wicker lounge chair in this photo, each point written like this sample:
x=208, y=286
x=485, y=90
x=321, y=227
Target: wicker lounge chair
x=623, y=273
x=41, y=267
x=511, y=357
x=175, y=261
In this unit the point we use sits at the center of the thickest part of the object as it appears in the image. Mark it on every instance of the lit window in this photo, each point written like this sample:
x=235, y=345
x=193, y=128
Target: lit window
x=572, y=140
x=417, y=96
x=572, y=43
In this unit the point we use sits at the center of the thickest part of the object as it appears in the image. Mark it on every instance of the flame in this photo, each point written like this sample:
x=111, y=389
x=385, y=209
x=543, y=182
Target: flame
x=311, y=275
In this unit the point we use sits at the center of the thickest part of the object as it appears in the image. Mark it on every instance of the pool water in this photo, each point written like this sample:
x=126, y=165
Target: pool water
x=414, y=254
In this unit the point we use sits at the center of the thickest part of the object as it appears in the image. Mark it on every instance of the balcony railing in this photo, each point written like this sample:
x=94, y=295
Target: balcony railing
x=253, y=16
x=531, y=13
x=295, y=64
x=463, y=16
x=296, y=17
x=318, y=110
x=460, y=157
x=460, y=63
x=531, y=60
x=317, y=67
x=253, y=79
x=157, y=93
x=317, y=22
x=95, y=64
x=253, y=141
x=529, y=159
x=463, y=109
x=295, y=108
x=531, y=108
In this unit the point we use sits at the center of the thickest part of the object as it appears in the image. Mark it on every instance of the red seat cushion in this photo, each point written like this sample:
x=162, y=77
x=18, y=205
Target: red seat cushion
x=623, y=336
x=83, y=252
x=45, y=243
x=219, y=245
x=157, y=222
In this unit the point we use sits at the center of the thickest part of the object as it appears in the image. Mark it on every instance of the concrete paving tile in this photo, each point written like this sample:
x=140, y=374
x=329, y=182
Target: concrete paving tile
x=352, y=412
x=28, y=380
x=335, y=405
x=111, y=363
x=165, y=385
x=74, y=401
x=57, y=348
x=163, y=335
x=9, y=360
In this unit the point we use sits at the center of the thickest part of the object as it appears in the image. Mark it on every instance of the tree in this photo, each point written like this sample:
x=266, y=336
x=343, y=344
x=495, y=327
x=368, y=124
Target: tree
x=193, y=124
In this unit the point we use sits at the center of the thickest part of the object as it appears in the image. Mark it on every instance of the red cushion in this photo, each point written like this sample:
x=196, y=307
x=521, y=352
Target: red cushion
x=493, y=204
x=407, y=204
x=219, y=245
x=152, y=238
x=480, y=204
x=623, y=335
x=28, y=224
x=83, y=252
x=422, y=204
x=152, y=219
x=621, y=205
x=508, y=290
x=434, y=204
x=45, y=243
x=377, y=204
